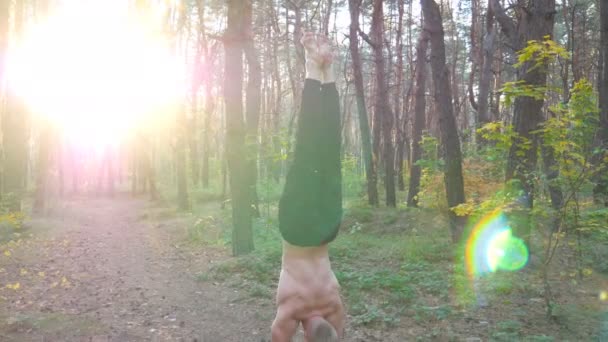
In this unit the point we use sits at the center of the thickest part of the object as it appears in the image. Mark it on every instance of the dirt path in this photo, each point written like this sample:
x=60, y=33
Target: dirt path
x=98, y=270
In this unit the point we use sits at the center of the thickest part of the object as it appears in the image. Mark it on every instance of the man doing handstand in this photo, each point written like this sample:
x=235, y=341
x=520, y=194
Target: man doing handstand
x=310, y=209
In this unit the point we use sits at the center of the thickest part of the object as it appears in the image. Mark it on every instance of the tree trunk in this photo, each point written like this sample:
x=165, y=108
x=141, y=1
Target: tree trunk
x=370, y=171
x=42, y=168
x=399, y=109
x=419, y=119
x=454, y=184
x=600, y=190
x=14, y=138
x=4, y=29
x=253, y=113
x=536, y=22
x=236, y=151
x=192, y=136
x=382, y=105
x=483, y=114
x=180, y=161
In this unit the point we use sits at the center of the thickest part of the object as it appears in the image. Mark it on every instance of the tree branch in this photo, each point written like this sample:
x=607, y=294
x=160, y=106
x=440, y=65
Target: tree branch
x=506, y=23
x=367, y=39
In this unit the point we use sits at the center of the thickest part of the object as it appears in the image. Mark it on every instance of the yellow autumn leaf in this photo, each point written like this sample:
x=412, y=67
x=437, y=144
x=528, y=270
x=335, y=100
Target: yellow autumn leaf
x=41, y=274
x=23, y=271
x=15, y=286
x=7, y=253
x=587, y=272
x=65, y=282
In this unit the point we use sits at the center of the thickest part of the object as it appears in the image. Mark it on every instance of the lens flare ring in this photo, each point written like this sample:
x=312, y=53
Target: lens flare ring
x=491, y=246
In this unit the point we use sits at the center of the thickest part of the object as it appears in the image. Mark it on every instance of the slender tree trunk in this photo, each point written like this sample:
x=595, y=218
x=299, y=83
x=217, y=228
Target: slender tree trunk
x=192, y=137
x=382, y=105
x=253, y=113
x=14, y=137
x=236, y=130
x=476, y=55
x=600, y=190
x=454, y=183
x=44, y=148
x=419, y=120
x=4, y=29
x=370, y=171
x=276, y=111
x=399, y=109
x=180, y=161
x=483, y=113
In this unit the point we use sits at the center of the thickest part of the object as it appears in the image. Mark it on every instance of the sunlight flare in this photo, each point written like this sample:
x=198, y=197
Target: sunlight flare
x=95, y=71
x=491, y=247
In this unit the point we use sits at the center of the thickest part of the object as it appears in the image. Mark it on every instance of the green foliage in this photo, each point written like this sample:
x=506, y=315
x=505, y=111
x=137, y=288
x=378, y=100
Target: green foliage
x=499, y=137
x=538, y=338
x=206, y=230
x=352, y=181
x=10, y=221
x=512, y=90
x=432, y=191
x=570, y=132
x=430, y=157
x=506, y=331
x=541, y=53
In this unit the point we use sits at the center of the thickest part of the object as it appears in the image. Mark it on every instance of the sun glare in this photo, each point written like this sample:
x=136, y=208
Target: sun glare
x=95, y=70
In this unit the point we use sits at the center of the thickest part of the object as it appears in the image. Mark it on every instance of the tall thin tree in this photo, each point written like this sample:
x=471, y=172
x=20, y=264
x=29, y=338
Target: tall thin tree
x=419, y=119
x=370, y=171
x=236, y=130
x=454, y=183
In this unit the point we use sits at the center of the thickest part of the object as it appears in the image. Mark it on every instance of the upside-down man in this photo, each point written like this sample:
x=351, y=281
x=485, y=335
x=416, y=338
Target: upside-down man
x=310, y=209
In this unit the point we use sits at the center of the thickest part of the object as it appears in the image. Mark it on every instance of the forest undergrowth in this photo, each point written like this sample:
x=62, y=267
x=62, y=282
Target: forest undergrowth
x=399, y=270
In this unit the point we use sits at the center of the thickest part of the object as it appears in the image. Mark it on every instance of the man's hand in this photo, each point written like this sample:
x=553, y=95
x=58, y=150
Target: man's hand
x=308, y=290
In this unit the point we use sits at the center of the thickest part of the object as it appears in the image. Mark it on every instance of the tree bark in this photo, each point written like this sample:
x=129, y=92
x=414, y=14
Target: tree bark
x=399, y=109
x=483, y=114
x=454, y=183
x=236, y=130
x=382, y=105
x=370, y=171
x=536, y=22
x=14, y=138
x=4, y=29
x=44, y=148
x=600, y=190
x=419, y=119
x=180, y=161
x=252, y=110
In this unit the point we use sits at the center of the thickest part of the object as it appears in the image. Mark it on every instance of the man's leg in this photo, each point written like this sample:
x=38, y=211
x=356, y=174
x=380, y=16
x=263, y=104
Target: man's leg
x=330, y=163
x=299, y=203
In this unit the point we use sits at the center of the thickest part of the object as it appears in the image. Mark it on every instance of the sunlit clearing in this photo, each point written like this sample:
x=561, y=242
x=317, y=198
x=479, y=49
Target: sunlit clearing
x=491, y=247
x=95, y=71
x=603, y=296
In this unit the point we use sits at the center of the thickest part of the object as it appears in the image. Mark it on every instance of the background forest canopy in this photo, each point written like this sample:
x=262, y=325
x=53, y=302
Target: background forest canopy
x=467, y=108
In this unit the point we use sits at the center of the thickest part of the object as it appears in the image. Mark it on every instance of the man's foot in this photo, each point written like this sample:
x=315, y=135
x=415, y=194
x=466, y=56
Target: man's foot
x=311, y=46
x=325, y=50
x=327, y=54
x=321, y=331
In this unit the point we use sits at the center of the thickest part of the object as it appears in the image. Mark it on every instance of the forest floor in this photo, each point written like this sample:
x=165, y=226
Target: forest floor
x=125, y=269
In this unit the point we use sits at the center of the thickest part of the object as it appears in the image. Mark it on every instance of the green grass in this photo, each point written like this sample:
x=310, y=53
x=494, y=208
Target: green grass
x=383, y=277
